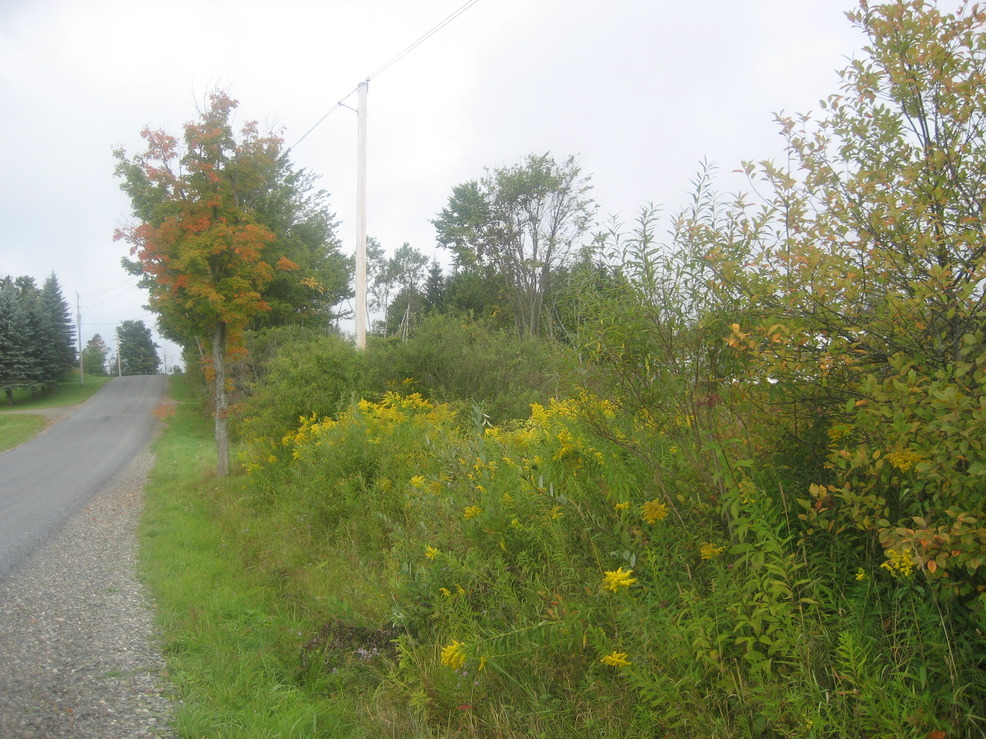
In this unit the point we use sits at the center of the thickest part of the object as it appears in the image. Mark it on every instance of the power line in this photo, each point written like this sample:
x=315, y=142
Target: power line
x=110, y=300
x=389, y=63
x=462, y=9
x=109, y=289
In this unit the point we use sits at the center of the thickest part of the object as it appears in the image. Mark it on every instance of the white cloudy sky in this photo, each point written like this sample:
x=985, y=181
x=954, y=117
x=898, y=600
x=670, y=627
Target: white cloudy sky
x=640, y=90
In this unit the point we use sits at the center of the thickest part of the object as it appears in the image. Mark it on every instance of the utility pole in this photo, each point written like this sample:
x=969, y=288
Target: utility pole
x=361, y=317
x=78, y=328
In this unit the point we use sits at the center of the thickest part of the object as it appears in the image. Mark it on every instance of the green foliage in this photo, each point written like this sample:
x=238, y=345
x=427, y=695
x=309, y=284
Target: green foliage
x=226, y=232
x=94, y=356
x=398, y=284
x=519, y=226
x=759, y=513
x=865, y=304
x=138, y=352
x=452, y=358
x=59, y=350
x=311, y=274
x=36, y=336
x=296, y=374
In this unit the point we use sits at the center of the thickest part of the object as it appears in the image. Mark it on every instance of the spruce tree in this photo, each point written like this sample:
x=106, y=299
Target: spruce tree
x=94, y=357
x=60, y=350
x=138, y=352
x=15, y=341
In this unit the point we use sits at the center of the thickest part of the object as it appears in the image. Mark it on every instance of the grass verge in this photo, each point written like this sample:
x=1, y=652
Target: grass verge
x=231, y=644
x=16, y=428
x=65, y=393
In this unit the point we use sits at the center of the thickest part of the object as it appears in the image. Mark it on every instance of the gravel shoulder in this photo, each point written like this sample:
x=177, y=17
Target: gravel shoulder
x=79, y=652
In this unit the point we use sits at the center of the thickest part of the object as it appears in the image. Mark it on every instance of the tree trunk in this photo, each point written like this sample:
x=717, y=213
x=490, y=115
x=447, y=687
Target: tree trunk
x=221, y=403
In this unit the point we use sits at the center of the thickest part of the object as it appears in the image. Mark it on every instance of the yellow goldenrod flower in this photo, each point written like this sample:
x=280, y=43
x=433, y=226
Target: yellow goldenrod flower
x=446, y=592
x=472, y=511
x=431, y=552
x=899, y=564
x=616, y=659
x=617, y=579
x=418, y=481
x=453, y=656
x=707, y=551
x=860, y=575
x=654, y=511
x=622, y=506
x=904, y=459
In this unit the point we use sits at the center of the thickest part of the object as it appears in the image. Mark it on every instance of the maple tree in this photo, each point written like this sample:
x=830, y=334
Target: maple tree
x=198, y=240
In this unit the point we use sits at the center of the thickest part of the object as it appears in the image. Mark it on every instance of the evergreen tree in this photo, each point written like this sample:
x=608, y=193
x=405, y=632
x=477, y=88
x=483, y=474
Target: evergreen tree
x=94, y=357
x=37, y=367
x=60, y=347
x=138, y=352
x=435, y=287
x=15, y=355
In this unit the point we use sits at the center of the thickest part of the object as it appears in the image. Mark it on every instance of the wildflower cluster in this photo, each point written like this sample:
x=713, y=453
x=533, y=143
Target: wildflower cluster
x=899, y=564
x=616, y=659
x=617, y=579
x=904, y=459
x=707, y=551
x=366, y=423
x=654, y=511
x=557, y=424
x=453, y=656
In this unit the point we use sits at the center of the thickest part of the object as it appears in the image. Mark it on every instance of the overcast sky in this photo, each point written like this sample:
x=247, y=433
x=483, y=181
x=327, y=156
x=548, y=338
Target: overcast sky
x=640, y=90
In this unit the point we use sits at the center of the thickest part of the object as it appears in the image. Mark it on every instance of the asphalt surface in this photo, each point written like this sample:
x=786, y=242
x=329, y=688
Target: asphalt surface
x=46, y=481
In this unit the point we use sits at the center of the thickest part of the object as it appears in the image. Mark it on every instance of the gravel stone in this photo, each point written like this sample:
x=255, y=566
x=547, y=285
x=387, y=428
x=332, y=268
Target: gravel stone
x=79, y=652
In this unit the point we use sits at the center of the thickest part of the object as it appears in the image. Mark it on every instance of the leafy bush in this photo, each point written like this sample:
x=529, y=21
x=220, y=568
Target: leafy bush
x=453, y=358
x=293, y=374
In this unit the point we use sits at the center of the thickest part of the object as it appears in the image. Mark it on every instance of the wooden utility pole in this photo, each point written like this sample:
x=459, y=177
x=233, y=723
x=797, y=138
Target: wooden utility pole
x=78, y=328
x=361, y=311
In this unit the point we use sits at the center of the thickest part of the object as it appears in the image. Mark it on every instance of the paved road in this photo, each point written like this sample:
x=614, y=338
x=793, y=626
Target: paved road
x=45, y=481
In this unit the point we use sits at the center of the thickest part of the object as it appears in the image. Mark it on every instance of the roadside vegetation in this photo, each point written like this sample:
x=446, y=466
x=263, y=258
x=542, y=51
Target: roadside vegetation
x=714, y=475
x=16, y=428
x=18, y=425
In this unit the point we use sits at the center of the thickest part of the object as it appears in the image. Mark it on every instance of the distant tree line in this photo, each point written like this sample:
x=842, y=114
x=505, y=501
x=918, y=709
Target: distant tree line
x=37, y=340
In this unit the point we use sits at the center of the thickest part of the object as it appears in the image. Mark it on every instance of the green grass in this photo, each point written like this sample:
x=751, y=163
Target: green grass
x=16, y=428
x=231, y=645
x=65, y=393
